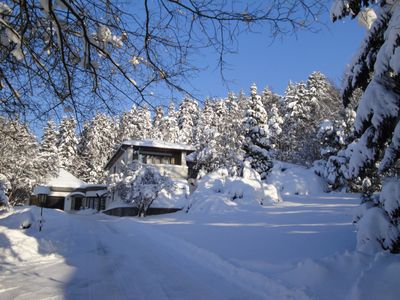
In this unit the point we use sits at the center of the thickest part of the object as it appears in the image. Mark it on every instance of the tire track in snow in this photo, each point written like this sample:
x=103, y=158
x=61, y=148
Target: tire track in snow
x=254, y=283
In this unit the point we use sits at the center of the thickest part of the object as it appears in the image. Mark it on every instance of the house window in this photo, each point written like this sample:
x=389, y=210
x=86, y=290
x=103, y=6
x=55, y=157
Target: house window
x=162, y=158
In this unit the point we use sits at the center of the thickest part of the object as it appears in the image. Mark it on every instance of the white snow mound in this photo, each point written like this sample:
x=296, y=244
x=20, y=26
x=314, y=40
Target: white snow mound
x=175, y=197
x=219, y=193
x=292, y=179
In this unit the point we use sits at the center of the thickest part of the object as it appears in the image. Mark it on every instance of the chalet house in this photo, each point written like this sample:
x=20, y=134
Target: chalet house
x=69, y=193
x=169, y=158
x=65, y=191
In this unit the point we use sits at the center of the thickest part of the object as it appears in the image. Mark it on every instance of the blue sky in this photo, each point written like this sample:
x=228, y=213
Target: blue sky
x=292, y=58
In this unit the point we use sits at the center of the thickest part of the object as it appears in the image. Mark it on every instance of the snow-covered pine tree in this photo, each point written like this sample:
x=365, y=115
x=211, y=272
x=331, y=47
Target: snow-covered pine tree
x=156, y=128
x=205, y=138
x=95, y=148
x=334, y=136
x=169, y=126
x=305, y=105
x=336, y=149
x=187, y=117
x=48, y=148
x=219, y=136
x=376, y=71
x=298, y=126
x=257, y=145
x=272, y=105
x=146, y=129
x=231, y=136
x=67, y=145
x=19, y=160
x=325, y=96
x=135, y=124
x=126, y=131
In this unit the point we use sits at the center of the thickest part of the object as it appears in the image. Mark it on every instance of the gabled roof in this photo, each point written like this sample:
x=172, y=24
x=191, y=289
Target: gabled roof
x=65, y=179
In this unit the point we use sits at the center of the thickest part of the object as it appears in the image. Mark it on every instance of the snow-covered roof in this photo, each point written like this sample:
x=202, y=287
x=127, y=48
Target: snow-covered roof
x=41, y=189
x=65, y=179
x=158, y=144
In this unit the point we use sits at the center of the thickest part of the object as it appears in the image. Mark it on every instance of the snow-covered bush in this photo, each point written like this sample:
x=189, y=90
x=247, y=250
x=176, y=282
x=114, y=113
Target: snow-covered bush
x=292, y=179
x=139, y=185
x=175, y=196
x=217, y=192
x=378, y=221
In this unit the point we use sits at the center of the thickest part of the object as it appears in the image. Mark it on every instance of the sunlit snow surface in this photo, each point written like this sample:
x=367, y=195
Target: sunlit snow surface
x=302, y=248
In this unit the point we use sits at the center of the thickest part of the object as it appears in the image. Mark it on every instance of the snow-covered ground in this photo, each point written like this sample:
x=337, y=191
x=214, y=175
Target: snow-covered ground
x=301, y=248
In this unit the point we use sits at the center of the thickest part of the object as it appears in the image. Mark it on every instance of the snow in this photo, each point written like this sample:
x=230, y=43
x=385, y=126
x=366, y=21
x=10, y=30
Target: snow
x=375, y=231
x=390, y=196
x=158, y=144
x=41, y=189
x=376, y=111
x=247, y=254
x=227, y=246
x=175, y=197
x=292, y=179
x=218, y=193
x=65, y=179
x=367, y=17
x=338, y=7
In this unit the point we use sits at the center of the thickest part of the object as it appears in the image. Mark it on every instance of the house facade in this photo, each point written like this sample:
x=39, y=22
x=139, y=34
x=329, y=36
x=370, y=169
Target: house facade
x=66, y=192
x=170, y=159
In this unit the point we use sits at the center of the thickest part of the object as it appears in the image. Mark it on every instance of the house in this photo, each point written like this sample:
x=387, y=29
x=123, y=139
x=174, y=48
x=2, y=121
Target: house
x=168, y=158
x=65, y=191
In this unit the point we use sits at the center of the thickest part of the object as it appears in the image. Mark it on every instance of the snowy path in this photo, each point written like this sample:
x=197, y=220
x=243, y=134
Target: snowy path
x=300, y=249
x=102, y=258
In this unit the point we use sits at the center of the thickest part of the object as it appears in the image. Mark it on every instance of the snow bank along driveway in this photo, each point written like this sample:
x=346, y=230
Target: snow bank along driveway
x=296, y=250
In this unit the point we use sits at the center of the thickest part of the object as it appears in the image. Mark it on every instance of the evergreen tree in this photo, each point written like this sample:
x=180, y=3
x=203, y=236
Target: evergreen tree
x=169, y=129
x=377, y=127
x=146, y=128
x=135, y=124
x=20, y=162
x=187, y=117
x=205, y=138
x=305, y=105
x=275, y=120
x=219, y=136
x=67, y=145
x=231, y=136
x=95, y=148
x=257, y=145
x=157, y=133
x=48, y=148
x=298, y=126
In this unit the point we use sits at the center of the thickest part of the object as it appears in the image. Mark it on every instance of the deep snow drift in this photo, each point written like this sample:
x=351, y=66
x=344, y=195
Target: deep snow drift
x=302, y=248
